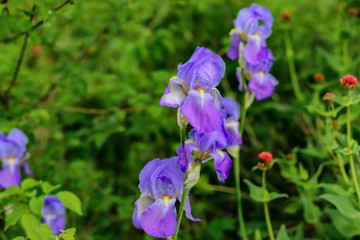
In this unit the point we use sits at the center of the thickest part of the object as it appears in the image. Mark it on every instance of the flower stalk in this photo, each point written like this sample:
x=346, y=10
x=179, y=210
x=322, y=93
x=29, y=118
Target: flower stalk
x=266, y=209
x=351, y=158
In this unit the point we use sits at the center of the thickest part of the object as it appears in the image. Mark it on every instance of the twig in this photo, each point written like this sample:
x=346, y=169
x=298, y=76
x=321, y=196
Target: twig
x=38, y=24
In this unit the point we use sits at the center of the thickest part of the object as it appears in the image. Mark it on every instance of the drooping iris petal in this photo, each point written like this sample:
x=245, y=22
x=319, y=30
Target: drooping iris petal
x=231, y=108
x=252, y=49
x=26, y=168
x=235, y=39
x=187, y=209
x=184, y=153
x=10, y=176
x=232, y=127
x=222, y=163
x=211, y=141
x=263, y=85
x=200, y=110
x=174, y=94
x=53, y=213
x=140, y=206
x=159, y=219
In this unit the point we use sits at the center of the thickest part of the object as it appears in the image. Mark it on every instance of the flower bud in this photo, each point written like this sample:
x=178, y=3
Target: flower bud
x=319, y=77
x=329, y=95
x=349, y=81
x=181, y=120
x=193, y=175
x=286, y=15
x=353, y=12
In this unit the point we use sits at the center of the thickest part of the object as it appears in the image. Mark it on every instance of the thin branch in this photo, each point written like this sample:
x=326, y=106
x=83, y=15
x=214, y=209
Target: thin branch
x=18, y=65
x=38, y=24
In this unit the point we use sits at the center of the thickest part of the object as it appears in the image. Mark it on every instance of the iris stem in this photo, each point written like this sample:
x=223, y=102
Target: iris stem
x=182, y=135
x=266, y=209
x=238, y=196
x=185, y=191
x=351, y=159
x=293, y=76
x=237, y=167
x=181, y=211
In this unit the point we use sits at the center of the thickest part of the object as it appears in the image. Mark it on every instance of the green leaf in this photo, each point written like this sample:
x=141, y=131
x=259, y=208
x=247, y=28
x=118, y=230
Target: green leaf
x=293, y=207
x=29, y=223
x=68, y=234
x=42, y=233
x=19, y=238
x=282, y=235
x=29, y=183
x=48, y=188
x=262, y=195
x=343, y=204
x=334, y=188
x=15, y=215
x=36, y=204
x=70, y=201
x=348, y=227
x=312, y=212
x=10, y=191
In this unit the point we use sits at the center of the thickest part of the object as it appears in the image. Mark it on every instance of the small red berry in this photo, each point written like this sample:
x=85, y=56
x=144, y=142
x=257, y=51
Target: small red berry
x=286, y=15
x=353, y=12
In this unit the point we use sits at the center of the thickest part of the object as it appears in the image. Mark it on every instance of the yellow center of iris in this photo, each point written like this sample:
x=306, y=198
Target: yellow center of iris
x=200, y=90
x=190, y=141
x=11, y=159
x=243, y=36
x=261, y=73
x=256, y=35
x=166, y=200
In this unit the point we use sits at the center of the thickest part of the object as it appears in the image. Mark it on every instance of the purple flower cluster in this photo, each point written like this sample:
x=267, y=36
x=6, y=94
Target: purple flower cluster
x=248, y=41
x=161, y=183
x=12, y=153
x=53, y=213
x=215, y=126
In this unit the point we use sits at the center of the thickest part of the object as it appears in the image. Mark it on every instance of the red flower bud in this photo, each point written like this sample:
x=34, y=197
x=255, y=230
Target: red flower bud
x=329, y=95
x=349, y=81
x=266, y=157
x=319, y=77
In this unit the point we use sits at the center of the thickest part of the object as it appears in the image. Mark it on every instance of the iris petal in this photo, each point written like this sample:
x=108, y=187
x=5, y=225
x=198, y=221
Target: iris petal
x=200, y=110
x=159, y=220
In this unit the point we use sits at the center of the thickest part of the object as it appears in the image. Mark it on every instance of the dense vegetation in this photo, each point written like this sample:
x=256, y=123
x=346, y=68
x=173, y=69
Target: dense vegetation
x=83, y=80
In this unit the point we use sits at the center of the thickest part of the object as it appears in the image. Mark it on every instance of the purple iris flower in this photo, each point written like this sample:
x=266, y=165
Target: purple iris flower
x=231, y=123
x=53, y=213
x=12, y=151
x=204, y=147
x=261, y=82
x=161, y=183
x=252, y=26
x=193, y=90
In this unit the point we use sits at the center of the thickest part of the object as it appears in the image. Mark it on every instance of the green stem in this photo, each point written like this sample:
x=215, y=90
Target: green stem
x=266, y=209
x=181, y=211
x=342, y=169
x=352, y=165
x=238, y=196
x=237, y=166
x=293, y=76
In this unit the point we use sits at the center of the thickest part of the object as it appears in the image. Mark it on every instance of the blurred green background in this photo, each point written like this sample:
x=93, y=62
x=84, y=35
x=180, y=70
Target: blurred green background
x=88, y=91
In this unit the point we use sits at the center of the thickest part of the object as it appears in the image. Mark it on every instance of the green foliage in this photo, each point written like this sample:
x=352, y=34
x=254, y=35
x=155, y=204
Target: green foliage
x=87, y=96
